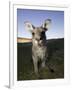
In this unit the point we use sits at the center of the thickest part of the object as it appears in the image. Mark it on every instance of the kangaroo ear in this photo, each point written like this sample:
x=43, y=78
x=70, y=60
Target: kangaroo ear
x=28, y=26
x=46, y=24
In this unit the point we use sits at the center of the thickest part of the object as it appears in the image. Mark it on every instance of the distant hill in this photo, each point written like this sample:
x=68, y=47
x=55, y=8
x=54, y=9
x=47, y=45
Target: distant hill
x=23, y=40
x=28, y=40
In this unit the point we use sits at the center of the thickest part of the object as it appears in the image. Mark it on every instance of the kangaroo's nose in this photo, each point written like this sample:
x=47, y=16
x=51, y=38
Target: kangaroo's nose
x=40, y=38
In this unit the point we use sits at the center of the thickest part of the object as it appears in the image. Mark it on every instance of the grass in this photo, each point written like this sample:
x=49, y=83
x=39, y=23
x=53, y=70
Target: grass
x=25, y=70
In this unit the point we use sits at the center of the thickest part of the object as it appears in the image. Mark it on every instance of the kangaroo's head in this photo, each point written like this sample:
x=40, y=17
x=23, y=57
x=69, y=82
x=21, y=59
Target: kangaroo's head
x=38, y=33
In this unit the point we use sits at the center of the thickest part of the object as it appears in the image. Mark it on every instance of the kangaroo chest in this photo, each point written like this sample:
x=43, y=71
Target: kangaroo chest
x=40, y=52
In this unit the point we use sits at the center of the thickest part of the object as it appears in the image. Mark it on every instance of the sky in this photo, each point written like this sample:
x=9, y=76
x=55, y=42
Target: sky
x=37, y=17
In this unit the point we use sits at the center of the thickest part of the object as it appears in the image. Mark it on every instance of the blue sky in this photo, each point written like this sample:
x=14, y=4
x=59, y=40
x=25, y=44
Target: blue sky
x=37, y=17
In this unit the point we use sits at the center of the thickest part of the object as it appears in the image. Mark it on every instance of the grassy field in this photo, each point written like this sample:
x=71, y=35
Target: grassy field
x=25, y=70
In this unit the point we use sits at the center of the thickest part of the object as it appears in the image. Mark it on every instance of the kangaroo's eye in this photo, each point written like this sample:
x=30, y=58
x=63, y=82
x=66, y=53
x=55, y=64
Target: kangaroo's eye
x=33, y=33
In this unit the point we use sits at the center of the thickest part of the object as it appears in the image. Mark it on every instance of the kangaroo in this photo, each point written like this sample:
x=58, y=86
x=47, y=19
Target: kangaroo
x=39, y=43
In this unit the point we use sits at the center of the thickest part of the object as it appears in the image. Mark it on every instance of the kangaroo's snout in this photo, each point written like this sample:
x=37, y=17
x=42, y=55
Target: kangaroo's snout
x=39, y=42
